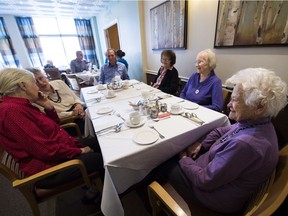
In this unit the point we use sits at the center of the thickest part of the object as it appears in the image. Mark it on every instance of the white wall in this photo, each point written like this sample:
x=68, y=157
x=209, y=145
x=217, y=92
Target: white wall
x=202, y=16
x=126, y=14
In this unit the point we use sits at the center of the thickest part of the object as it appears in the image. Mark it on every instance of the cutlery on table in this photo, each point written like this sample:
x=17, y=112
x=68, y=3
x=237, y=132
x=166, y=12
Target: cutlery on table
x=118, y=115
x=102, y=115
x=193, y=117
x=160, y=135
x=116, y=128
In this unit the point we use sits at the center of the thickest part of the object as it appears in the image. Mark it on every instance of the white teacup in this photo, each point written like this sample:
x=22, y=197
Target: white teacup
x=125, y=84
x=175, y=108
x=110, y=93
x=117, y=78
x=135, y=117
x=100, y=86
x=145, y=93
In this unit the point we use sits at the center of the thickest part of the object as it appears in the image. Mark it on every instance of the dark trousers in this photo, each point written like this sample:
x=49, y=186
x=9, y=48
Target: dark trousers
x=93, y=162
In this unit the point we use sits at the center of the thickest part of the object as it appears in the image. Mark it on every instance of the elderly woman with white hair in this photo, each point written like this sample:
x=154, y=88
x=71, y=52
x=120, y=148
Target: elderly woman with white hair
x=226, y=166
x=35, y=139
x=204, y=87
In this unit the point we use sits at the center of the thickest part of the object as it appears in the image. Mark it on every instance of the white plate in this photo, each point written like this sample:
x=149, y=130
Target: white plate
x=177, y=113
x=128, y=123
x=190, y=105
x=92, y=91
x=104, y=110
x=110, y=96
x=145, y=137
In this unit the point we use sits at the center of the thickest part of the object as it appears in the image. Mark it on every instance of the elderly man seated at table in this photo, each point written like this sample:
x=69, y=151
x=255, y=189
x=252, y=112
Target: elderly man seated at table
x=78, y=65
x=224, y=168
x=35, y=139
x=66, y=103
x=112, y=69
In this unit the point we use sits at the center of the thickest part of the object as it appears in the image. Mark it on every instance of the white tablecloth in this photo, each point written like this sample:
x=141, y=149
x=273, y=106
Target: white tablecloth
x=126, y=162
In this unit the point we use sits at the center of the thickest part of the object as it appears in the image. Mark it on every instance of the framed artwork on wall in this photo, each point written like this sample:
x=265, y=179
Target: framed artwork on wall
x=169, y=25
x=251, y=23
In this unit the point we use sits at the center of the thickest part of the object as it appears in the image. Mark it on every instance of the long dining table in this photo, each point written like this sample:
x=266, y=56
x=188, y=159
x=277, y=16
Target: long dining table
x=130, y=153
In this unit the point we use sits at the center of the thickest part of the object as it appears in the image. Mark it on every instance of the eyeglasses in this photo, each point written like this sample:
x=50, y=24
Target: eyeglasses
x=40, y=79
x=165, y=60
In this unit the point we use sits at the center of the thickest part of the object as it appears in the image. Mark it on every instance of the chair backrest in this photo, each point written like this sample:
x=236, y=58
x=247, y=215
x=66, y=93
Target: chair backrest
x=9, y=167
x=278, y=190
x=264, y=202
x=226, y=99
x=74, y=82
x=52, y=73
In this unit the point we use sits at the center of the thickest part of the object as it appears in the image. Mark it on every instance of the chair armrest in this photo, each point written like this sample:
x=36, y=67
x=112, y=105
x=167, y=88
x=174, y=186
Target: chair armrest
x=50, y=171
x=155, y=189
x=68, y=119
x=73, y=125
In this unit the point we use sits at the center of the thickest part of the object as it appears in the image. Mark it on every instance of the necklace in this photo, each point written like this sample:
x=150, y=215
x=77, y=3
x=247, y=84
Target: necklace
x=58, y=100
x=240, y=129
x=198, y=89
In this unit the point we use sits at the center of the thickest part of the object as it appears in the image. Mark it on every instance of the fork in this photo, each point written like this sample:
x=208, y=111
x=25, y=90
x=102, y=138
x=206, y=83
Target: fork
x=160, y=135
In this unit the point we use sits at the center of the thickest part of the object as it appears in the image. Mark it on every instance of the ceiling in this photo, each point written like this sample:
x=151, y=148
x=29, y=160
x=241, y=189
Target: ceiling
x=54, y=8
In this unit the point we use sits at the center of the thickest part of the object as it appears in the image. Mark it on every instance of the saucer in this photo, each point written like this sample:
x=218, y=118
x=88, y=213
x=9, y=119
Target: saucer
x=146, y=137
x=190, y=105
x=110, y=96
x=180, y=111
x=104, y=110
x=101, y=88
x=93, y=91
x=129, y=124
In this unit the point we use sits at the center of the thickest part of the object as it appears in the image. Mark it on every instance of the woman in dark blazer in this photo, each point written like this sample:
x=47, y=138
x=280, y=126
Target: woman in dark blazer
x=167, y=78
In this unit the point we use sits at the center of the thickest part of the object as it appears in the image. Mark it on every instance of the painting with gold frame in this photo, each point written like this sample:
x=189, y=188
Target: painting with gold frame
x=169, y=25
x=251, y=23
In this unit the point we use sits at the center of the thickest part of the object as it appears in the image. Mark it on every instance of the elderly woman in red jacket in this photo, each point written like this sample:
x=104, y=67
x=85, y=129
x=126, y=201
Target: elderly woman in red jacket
x=35, y=139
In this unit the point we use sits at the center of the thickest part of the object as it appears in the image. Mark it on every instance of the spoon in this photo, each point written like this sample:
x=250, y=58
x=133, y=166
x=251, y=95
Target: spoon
x=160, y=135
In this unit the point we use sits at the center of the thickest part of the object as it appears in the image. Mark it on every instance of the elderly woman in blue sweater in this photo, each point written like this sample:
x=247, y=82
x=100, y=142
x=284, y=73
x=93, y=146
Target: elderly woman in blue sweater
x=204, y=87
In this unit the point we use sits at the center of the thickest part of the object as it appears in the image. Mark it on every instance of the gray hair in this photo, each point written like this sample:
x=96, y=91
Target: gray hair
x=261, y=87
x=211, y=56
x=10, y=78
x=35, y=71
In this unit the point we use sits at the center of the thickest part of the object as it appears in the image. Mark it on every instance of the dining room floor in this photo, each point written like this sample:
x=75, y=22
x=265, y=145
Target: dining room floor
x=134, y=202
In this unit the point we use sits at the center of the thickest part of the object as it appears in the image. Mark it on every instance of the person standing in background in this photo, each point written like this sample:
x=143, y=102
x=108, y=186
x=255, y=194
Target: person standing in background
x=78, y=65
x=120, y=54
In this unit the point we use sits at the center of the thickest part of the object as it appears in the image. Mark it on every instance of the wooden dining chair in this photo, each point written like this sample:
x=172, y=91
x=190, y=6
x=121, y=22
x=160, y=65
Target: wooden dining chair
x=264, y=202
x=74, y=83
x=52, y=73
x=9, y=168
x=226, y=99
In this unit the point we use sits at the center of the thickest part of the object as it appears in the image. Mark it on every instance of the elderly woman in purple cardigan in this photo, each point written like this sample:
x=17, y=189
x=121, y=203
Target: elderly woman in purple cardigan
x=223, y=169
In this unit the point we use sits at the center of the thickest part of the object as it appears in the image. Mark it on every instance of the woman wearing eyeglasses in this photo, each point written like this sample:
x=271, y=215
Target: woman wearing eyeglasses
x=64, y=100
x=204, y=87
x=167, y=77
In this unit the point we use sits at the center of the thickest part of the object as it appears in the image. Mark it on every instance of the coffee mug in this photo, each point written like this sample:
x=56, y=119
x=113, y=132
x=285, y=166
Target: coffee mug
x=135, y=117
x=110, y=93
x=175, y=107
